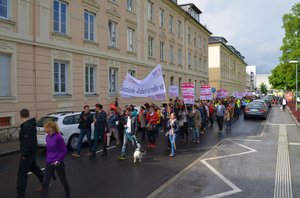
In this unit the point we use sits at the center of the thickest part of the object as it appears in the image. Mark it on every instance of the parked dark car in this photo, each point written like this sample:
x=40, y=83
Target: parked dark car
x=256, y=109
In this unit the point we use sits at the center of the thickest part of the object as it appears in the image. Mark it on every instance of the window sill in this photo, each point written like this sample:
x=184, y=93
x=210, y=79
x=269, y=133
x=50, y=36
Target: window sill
x=113, y=94
x=131, y=12
x=151, y=22
x=113, y=48
x=113, y=3
x=62, y=96
x=91, y=95
x=61, y=35
x=162, y=28
x=163, y=61
x=131, y=53
x=151, y=58
x=7, y=98
x=172, y=64
x=90, y=42
x=7, y=21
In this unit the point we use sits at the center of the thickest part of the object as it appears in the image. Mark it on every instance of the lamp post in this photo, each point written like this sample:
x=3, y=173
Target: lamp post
x=296, y=62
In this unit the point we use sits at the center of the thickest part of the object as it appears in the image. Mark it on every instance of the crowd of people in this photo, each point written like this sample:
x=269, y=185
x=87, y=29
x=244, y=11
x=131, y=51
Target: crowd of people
x=176, y=120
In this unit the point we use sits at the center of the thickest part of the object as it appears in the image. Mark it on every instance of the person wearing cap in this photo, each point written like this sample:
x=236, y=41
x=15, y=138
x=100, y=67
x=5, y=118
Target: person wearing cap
x=86, y=119
x=100, y=127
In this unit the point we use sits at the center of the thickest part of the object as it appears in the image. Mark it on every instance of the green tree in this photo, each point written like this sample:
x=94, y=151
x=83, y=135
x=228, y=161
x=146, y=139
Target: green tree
x=284, y=75
x=263, y=88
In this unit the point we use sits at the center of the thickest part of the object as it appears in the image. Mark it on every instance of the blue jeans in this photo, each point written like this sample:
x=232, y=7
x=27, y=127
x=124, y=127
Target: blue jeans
x=133, y=140
x=172, y=139
x=195, y=134
x=228, y=125
x=84, y=132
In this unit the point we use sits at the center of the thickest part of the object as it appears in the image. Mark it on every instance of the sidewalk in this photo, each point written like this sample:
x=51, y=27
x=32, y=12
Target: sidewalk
x=9, y=148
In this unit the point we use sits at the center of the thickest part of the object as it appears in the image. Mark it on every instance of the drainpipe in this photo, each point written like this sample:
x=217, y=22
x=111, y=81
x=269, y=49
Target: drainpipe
x=34, y=60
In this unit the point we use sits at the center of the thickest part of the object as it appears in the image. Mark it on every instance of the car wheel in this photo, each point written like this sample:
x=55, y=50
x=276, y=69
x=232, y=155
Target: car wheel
x=73, y=142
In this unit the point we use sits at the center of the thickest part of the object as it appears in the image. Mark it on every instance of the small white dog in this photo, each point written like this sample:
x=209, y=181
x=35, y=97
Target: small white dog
x=138, y=154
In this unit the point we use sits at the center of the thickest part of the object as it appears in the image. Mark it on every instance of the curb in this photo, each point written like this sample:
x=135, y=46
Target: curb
x=4, y=154
x=296, y=121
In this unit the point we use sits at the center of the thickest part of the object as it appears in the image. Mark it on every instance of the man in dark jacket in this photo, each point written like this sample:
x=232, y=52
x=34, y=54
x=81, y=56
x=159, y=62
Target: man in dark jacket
x=28, y=147
x=86, y=119
x=100, y=129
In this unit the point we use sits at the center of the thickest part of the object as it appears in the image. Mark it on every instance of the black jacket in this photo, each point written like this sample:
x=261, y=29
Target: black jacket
x=28, y=139
x=85, y=120
x=101, y=120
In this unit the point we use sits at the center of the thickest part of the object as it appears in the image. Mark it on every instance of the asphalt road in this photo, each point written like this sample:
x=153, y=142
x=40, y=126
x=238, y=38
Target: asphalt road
x=242, y=163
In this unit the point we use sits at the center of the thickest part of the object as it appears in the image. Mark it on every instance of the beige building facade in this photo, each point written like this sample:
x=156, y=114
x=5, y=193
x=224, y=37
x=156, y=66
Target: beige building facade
x=58, y=55
x=227, y=68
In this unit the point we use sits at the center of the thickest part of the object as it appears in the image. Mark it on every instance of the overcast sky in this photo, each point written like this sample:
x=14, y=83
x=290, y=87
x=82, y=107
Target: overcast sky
x=253, y=27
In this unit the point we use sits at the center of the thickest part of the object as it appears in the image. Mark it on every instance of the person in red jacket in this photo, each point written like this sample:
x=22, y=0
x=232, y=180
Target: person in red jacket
x=152, y=119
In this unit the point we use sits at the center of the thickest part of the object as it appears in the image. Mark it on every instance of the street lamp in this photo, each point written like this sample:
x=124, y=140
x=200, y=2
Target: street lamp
x=296, y=62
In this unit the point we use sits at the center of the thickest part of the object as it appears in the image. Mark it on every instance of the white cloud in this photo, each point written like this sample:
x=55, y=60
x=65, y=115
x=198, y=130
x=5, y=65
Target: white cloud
x=254, y=27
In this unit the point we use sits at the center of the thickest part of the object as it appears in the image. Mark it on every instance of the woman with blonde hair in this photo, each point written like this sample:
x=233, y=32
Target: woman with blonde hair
x=56, y=152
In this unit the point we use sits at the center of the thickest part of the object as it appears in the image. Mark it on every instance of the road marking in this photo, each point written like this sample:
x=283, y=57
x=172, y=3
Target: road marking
x=283, y=184
x=294, y=144
x=178, y=175
x=234, y=190
x=29, y=173
x=273, y=124
x=248, y=140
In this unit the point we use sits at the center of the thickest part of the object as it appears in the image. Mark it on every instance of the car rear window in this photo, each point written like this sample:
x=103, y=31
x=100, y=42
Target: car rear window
x=43, y=120
x=255, y=105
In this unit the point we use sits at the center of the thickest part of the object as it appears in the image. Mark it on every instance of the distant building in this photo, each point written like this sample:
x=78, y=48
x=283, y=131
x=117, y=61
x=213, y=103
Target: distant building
x=251, y=70
x=227, y=68
x=263, y=78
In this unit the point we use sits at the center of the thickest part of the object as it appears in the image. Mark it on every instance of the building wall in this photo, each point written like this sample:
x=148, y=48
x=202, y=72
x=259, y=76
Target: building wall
x=28, y=37
x=226, y=70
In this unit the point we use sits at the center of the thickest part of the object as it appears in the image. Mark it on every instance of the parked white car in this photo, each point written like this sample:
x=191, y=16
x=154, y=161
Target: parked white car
x=68, y=123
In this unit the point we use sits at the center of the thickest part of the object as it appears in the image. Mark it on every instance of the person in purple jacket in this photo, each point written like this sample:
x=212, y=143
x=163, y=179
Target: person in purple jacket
x=56, y=152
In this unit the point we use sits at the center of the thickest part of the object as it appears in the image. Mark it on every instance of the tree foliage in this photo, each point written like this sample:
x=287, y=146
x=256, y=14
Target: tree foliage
x=284, y=75
x=263, y=88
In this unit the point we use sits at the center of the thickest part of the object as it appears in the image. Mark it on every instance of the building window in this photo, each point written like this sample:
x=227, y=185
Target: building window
x=5, y=75
x=150, y=46
x=130, y=5
x=5, y=121
x=60, y=77
x=162, y=51
x=199, y=42
x=171, y=80
x=179, y=56
x=130, y=39
x=112, y=31
x=60, y=16
x=178, y=29
x=113, y=80
x=89, y=26
x=90, y=72
x=189, y=35
x=200, y=64
x=150, y=11
x=189, y=60
x=171, y=55
x=195, y=39
x=179, y=85
x=131, y=73
x=161, y=17
x=4, y=9
x=195, y=62
x=171, y=23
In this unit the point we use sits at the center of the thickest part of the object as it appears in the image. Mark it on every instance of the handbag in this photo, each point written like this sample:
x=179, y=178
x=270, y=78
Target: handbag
x=149, y=127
